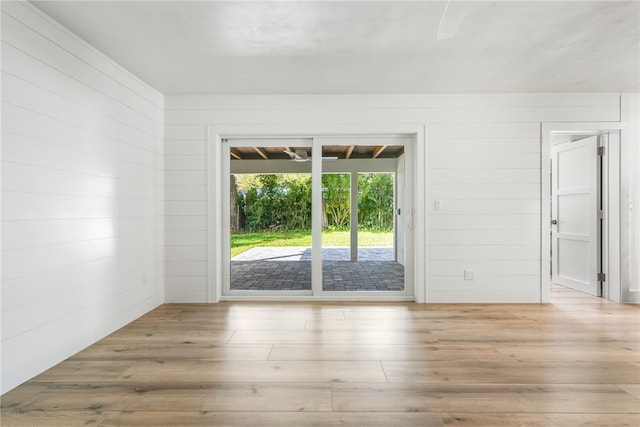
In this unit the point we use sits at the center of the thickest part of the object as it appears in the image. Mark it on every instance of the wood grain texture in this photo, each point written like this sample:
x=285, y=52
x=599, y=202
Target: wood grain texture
x=571, y=363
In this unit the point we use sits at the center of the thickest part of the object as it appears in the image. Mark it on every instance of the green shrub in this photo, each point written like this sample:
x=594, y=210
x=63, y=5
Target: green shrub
x=278, y=202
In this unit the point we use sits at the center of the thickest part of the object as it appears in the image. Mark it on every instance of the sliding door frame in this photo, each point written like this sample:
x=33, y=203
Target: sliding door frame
x=218, y=165
x=225, y=232
x=408, y=144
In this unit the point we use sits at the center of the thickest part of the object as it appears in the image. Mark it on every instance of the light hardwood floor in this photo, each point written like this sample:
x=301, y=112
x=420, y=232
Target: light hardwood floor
x=575, y=362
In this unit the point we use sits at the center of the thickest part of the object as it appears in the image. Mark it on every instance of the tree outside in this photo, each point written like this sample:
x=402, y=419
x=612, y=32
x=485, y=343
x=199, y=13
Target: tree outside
x=267, y=209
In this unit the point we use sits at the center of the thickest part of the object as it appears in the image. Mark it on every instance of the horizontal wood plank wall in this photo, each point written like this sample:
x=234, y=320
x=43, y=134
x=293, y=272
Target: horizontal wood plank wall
x=630, y=198
x=484, y=164
x=82, y=192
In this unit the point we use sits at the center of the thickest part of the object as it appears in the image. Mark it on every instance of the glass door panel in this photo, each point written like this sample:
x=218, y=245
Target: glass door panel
x=305, y=217
x=269, y=219
x=336, y=231
x=359, y=233
x=377, y=231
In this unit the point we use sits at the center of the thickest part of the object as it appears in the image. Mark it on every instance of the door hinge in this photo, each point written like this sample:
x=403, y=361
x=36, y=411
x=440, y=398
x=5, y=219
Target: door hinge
x=602, y=277
x=600, y=214
x=600, y=151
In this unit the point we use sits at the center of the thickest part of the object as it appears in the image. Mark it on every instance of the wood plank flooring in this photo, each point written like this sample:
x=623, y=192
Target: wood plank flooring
x=575, y=362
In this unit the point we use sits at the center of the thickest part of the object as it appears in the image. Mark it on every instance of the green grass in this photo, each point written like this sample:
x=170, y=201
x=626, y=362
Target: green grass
x=241, y=242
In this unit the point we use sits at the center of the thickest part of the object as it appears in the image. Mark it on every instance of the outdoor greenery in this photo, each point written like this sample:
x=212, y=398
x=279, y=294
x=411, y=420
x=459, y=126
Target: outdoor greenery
x=375, y=201
x=336, y=200
x=274, y=202
x=241, y=242
x=279, y=202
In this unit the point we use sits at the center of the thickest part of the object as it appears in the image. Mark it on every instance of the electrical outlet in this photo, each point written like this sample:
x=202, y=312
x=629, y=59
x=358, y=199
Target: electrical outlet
x=143, y=278
x=469, y=274
x=437, y=205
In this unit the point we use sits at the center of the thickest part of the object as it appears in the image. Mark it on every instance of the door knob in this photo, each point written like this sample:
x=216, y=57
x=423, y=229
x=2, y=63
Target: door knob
x=554, y=222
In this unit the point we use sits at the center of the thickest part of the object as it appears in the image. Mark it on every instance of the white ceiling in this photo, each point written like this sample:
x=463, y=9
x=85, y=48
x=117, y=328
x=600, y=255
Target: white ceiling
x=323, y=47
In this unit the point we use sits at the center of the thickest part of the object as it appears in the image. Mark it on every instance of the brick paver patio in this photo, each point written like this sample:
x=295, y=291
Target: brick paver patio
x=289, y=268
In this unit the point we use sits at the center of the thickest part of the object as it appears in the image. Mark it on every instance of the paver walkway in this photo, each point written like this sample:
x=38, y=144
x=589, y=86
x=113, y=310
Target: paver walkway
x=303, y=253
x=289, y=268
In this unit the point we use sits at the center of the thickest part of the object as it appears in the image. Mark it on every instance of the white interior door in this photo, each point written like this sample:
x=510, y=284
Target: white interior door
x=575, y=224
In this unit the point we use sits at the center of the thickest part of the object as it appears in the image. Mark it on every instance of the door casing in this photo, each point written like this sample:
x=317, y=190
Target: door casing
x=216, y=194
x=611, y=205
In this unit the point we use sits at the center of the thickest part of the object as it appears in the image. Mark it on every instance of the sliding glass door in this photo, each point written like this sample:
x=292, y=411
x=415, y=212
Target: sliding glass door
x=359, y=210
x=316, y=217
x=268, y=220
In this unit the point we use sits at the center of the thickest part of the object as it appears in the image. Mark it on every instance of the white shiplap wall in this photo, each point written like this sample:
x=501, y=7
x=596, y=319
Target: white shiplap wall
x=82, y=194
x=483, y=163
x=630, y=199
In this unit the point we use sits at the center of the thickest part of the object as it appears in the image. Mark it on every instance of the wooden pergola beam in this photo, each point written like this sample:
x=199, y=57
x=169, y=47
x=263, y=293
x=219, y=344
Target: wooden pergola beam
x=235, y=154
x=349, y=151
x=379, y=149
x=261, y=152
x=289, y=150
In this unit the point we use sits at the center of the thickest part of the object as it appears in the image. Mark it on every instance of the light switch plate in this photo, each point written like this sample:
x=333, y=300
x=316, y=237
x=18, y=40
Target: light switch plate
x=469, y=274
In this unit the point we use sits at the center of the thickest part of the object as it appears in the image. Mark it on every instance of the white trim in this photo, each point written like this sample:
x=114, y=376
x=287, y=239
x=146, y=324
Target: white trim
x=415, y=272
x=225, y=233
x=611, y=187
x=603, y=141
x=316, y=221
x=353, y=217
x=630, y=200
x=271, y=142
x=302, y=295
x=613, y=247
x=214, y=214
x=352, y=297
x=418, y=219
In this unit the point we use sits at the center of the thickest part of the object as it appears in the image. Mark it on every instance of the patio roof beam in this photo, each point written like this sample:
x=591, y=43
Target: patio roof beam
x=349, y=151
x=235, y=154
x=261, y=152
x=379, y=149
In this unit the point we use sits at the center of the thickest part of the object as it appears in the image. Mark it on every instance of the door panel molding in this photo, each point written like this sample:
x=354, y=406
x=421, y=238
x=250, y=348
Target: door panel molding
x=575, y=224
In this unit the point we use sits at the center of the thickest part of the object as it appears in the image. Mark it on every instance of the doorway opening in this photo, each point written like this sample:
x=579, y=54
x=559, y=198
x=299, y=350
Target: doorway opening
x=577, y=213
x=581, y=202
x=309, y=218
